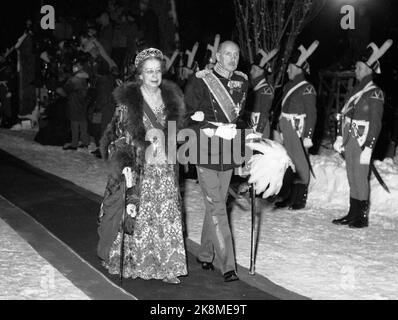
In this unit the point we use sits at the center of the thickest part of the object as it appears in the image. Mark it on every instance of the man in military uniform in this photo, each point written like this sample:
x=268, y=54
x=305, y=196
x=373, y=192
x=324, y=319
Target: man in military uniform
x=262, y=94
x=297, y=123
x=215, y=100
x=361, y=120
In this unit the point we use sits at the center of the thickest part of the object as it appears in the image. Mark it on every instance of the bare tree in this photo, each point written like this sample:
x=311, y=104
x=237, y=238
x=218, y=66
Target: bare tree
x=269, y=24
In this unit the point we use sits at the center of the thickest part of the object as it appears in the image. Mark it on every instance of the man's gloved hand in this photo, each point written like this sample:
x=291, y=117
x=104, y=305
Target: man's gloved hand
x=255, y=117
x=278, y=136
x=199, y=116
x=131, y=210
x=256, y=71
x=366, y=155
x=209, y=132
x=338, y=144
x=307, y=143
x=227, y=132
x=128, y=176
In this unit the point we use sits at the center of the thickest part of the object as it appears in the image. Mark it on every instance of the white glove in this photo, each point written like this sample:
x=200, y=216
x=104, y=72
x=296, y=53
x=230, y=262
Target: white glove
x=131, y=210
x=256, y=71
x=209, y=132
x=199, y=116
x=254, y=136
x=366, y=155
x=128, y=176
x=307, y=143
x=278, y=136
x=255, y=117
x=227, y=132
x=338, y=144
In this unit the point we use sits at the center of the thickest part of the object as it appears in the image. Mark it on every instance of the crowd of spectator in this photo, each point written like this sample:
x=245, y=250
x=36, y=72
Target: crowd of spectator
x=72, y=72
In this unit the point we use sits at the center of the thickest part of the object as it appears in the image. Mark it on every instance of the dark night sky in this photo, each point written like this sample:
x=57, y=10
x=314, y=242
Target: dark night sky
x=200, y=20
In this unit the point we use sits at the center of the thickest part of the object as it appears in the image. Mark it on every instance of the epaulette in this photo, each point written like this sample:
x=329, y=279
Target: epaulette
x=243, y=75
x=264, y=87
x=309, y=90
x=202, y=73
x=269, y=91
x=378, y=94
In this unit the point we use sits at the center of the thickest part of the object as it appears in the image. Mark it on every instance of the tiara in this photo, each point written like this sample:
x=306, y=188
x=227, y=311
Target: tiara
x=148, y=53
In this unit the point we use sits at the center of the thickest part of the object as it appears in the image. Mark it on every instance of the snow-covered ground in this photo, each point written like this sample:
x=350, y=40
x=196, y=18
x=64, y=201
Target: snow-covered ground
x=301, y=251
x=25, y=275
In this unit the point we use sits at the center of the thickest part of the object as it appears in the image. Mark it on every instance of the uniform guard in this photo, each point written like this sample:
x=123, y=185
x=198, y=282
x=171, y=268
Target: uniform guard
x=297, y=123
x=361, y=121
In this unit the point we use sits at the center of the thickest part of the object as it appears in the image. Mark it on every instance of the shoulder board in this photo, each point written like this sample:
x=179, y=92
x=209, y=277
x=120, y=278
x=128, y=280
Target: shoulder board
x=309, y=90
x=243, y=75
x=377, y=94
x=269, y=90
x=202, y=73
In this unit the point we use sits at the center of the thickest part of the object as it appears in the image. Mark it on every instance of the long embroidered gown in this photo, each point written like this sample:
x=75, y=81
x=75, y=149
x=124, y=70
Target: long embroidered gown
x=156, y=249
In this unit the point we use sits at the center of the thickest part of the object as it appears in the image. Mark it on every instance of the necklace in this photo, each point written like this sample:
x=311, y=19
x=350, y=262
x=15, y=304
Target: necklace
x=155, y=102
x=154, y=99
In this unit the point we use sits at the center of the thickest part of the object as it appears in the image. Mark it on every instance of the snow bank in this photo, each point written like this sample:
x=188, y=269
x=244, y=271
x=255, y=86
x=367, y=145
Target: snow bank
x=330, y=188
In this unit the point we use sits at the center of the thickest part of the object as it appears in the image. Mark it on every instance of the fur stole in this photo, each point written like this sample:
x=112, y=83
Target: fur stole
x=129, y=95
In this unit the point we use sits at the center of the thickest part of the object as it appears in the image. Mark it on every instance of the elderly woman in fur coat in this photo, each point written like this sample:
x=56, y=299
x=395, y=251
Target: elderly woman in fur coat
x=137, y=139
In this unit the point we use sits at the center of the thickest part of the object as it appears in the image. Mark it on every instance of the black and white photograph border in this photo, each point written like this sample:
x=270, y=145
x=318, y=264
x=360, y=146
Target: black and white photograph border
x=53, y=180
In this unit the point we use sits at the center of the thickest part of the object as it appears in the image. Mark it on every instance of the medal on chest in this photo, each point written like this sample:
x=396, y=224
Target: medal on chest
x=234, y=85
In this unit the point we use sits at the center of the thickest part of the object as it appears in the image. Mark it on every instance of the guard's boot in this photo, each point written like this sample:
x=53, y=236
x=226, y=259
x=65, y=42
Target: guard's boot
x=288, y=199
x=348, y=218
x=300, y=199
x=361, y=219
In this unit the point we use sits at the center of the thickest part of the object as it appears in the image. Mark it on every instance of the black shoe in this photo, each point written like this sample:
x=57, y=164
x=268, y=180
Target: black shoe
x=349, y=217
x=297, y=206
x=97, y=153
x=342, y=221
x=359, y=223
x=282, y=204
x=361, y=219
x=69, y=148
x=300, y=199
x=230, y=276
x=289, y=197
x=206, y=265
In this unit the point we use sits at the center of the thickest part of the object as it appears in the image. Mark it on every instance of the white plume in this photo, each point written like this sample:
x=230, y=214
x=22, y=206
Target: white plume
x=267, y=168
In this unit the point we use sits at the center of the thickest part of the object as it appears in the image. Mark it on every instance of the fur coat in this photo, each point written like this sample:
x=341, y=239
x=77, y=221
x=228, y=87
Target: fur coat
x=130, y=96
x=130, y=154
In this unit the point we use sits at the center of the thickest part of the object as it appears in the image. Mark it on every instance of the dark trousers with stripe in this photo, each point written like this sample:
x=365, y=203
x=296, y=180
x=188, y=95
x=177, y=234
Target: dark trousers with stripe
x=294, y=149
x=357, y=174
x=216, y=238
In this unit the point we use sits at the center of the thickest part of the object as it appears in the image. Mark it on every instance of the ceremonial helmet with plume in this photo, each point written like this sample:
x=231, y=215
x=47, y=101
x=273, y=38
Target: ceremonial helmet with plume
x=373, y=53
x=263, y=58
x=300, y=56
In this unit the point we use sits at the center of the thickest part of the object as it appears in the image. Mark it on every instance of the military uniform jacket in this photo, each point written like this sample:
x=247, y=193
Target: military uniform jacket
x=302, y=103
x=199, y=98
x=365, y=115
x=263, y=95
